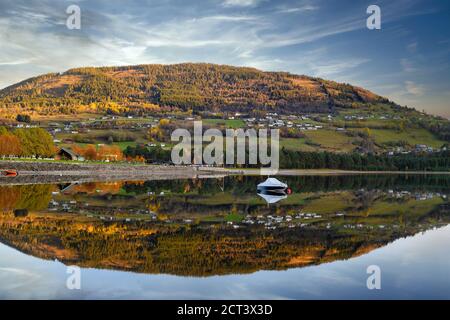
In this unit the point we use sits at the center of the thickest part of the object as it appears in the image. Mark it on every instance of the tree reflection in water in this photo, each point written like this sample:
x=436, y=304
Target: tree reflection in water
x=209, y=227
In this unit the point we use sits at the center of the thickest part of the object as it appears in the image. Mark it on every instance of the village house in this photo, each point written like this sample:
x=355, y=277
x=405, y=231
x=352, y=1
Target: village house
x=67, y=154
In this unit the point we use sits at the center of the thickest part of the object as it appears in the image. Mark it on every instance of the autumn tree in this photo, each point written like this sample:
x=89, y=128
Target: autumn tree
x=162, y=131
x=111, y=153
x=35, y=142
x=105, y=152
x=9, y=145
x=89, y=152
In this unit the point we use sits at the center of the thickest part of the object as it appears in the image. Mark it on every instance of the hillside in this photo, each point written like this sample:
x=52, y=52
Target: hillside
x=181, y=87
x=314, y=115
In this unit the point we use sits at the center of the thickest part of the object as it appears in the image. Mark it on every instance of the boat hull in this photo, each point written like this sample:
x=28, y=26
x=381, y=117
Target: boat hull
x=9, y=173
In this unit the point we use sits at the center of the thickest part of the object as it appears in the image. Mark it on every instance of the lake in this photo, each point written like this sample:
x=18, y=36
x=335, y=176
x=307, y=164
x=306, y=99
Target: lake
x=219, y=239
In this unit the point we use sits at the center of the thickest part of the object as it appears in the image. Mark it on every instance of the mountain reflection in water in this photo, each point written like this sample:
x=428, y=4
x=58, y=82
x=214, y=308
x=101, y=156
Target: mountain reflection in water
x=207, y=227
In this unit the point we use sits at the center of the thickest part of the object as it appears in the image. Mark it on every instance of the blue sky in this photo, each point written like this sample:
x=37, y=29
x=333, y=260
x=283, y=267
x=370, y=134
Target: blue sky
x=407, y=60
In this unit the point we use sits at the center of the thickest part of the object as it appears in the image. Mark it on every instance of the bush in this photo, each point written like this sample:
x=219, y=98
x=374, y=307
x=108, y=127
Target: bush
x=23, y=118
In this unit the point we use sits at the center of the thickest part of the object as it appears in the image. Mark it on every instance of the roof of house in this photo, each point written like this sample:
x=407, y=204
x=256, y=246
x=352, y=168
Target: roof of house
x=69, y=152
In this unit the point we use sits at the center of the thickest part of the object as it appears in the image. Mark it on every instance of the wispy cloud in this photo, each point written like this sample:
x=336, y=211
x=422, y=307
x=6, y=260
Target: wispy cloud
x=320, y=38
x=412, y=47
x=15, y=62
x=414, y=89
x=241, y=3
x=304, y=8
x=407, y=65
x=336, y=67
x=311, y=33
x=235, y=18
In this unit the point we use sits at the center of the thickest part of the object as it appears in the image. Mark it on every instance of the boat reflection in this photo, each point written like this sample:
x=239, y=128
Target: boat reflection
x=273, y=190
x=271, y=198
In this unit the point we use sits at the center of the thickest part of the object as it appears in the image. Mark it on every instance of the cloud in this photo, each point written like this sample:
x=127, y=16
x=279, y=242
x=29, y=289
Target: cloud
x=304, y=8
x=327, y=41
x=228, y=18
x=310, y=33
x=15, y=62
x=333, y=68
x=407, y=65
x=133, y=37
x=412, y=47
x=414, y=89
x=241, y=3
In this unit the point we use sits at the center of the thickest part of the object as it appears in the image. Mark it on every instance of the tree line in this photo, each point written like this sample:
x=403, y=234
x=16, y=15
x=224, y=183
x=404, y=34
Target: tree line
x=26, y=142
x=439, y=161
x=187, y=87
x=102, y=153
x=151, y=155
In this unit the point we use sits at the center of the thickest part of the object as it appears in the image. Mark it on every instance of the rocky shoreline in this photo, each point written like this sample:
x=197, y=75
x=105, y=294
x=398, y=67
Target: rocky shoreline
x=57, y=172
x=35, y=172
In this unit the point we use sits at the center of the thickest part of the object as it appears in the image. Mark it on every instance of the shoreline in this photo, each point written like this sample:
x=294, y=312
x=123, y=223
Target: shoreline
x=317, y=172
x=58, y=172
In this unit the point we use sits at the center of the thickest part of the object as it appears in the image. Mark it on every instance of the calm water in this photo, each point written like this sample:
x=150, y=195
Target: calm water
x=218, y=239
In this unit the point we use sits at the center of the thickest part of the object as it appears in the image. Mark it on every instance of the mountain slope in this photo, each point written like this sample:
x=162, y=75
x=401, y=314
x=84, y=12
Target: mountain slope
x=182, y=87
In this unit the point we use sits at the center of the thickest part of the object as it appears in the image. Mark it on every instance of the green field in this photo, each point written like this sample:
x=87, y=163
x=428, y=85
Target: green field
x=331, y=140
x=411, y=136
x=384, y=133
x=335, y=141
x=98, y=137
x=409, y=207
x=232, y=124
x=329, y=203
x=320, y=140
x=234, y=217
x=296, y=144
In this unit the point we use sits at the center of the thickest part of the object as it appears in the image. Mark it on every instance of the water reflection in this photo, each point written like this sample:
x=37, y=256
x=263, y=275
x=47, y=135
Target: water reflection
x=273, y=190
x=206, y=227
x=270, y=197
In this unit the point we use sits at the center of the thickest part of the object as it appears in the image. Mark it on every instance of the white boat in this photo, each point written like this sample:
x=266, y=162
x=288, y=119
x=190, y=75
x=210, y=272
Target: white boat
x=273, y=186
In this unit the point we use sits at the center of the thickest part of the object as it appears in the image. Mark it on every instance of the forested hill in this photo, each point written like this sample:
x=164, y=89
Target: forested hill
x=182, y=87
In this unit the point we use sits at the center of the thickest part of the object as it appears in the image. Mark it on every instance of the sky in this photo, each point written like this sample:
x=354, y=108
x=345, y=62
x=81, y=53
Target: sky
x=407, y=60
x=415, y=267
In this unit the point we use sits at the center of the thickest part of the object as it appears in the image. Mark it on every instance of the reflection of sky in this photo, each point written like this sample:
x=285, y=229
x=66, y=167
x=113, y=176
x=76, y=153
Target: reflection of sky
x=416, y=267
